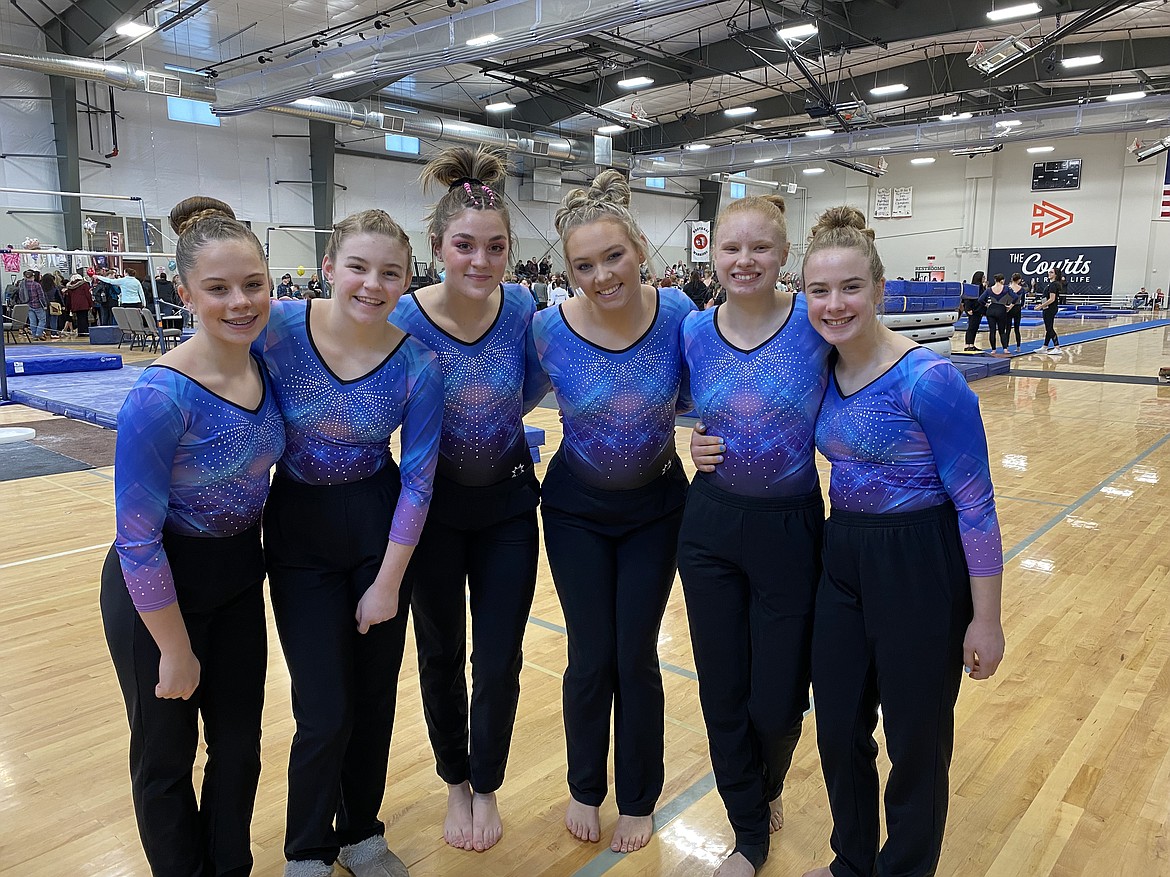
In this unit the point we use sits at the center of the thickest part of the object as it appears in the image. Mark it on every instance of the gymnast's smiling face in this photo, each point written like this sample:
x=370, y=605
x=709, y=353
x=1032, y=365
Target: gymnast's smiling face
x=228, y=289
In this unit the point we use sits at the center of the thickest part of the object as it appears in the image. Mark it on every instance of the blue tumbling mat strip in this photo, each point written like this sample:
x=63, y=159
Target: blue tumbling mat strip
x=40, y=359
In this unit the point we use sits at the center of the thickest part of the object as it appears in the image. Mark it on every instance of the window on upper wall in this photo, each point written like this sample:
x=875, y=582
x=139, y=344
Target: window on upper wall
x=655, y=182
x=179, y=109
x=403, y=144
x=738, y=190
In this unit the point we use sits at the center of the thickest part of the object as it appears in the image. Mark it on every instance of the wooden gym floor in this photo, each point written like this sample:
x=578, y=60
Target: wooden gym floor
x=1062, y=762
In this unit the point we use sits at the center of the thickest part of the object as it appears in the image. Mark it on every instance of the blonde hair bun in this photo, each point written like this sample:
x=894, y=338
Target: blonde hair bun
x=190, y=211
x=840, y=218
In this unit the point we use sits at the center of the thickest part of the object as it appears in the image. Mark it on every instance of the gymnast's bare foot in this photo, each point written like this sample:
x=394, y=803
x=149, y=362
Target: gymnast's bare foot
x=776, y=820
x=583, y=821
x=457, y=827
x=735, y=865
x=487, y=828
x=632, y=833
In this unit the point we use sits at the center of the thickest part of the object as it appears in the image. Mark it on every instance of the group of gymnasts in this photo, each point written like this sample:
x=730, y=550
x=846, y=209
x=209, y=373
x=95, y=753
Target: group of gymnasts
x=885, y=603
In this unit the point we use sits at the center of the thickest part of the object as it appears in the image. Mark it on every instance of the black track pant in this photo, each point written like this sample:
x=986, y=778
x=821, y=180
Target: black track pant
x=220, y=586
x=612, y=554
x=325, y=544
x=892, y=611
x=1049, y=315
x=974, y=319
x=749, y=569
x=467, y=548
x=81, y=322
x=1015, y=317
x=997, y=327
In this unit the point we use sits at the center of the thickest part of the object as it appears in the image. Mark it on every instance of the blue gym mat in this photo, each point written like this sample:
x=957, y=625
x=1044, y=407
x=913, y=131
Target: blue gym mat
x=40, y=359
x=96, y=397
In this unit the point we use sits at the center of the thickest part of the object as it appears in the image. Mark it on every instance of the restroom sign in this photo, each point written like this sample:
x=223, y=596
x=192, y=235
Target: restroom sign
x=700, y=242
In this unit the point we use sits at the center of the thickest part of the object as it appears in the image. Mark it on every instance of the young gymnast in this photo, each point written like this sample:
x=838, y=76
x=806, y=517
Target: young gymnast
x=481, y=537
x=749, y=550
x=910, y=593
x=612, y=503
x=346, y=380
x=182, y=588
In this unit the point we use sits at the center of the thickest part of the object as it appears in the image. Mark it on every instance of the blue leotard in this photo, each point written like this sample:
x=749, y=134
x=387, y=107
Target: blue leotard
x=339, y=431
x=190, y=462
x=618, y=406
x=488, y=385
x=762, y=402
x=911, y=439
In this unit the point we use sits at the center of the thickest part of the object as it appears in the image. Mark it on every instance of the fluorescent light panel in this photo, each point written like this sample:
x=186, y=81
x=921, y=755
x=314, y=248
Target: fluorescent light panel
x=500, y=106
x=1125, y=96
x=611, y=129
x=635, y=82
x=818, y=132
x=922, y=161
x=1083, y=61
x=486, y=40
x=797, y=31
x=1035, y=150
x=1010, y=12
x=697, y=147
x=813, y=170
x=883, y=90
x=954, y=117
x=739, y=111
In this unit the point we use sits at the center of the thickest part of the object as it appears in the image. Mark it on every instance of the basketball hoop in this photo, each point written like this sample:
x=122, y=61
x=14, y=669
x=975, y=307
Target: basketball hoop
x=637, y=111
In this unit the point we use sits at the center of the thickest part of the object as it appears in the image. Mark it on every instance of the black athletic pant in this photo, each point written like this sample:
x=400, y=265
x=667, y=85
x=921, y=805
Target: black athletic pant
x=220, y=588
x=1049, y=315
x=482, y=540
x=997, y=327
x=1015, y=316
x=613, y=554
x=750, y=569
x=892, y=611
x=81, y=323
x=325, y=544
x=974, y=319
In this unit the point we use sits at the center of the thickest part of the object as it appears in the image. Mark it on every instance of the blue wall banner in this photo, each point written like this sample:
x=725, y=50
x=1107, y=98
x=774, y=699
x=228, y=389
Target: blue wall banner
x=1089, y=270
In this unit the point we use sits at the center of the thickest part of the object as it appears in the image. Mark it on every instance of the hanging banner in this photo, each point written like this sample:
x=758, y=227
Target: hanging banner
x=903, y=206
x=1089, y=270
x=700, y=242
x=882, y=204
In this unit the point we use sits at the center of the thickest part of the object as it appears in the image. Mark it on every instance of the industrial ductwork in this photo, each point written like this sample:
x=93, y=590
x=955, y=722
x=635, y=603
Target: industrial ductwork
x=121, y=74
x=976, y=132
x=469, y=36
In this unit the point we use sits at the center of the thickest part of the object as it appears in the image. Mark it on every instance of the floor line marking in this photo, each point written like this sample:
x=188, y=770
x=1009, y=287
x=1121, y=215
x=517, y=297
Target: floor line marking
x=52, y=556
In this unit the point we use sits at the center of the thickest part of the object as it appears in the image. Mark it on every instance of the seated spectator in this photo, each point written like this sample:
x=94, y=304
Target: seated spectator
x=285, y=287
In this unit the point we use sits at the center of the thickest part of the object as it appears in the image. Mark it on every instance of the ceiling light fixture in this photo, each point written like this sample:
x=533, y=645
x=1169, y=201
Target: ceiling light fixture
x=1036, y=150
x=1125, y=96
x=882, y=90
x=611, y=129
x=813, y=170
x=926, y=160
x=1008, y=123
x=797, y=32
x=697, y=147
x=1083, y=61
x=635, y=82
x=500, y=106
x=762, y=160
x=818, y=132
x=954, y=117
x=1010, y=12
x=739, y=111
x=133, y=29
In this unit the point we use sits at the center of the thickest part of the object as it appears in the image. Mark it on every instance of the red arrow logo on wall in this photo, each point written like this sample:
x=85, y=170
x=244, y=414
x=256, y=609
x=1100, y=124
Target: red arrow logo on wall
x=1059, y=218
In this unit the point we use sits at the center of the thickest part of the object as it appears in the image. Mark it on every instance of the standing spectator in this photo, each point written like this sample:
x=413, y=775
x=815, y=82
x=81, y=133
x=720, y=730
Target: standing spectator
x=558, y=293
x=998, y=300
x=130, y=292
x=972, y=306
x=54, y=304
x=1159, y=299
x=79, y=300
x=1051, y=296
x=30, y=292
x=545, y=267
x=540, y=291
x=105, y=297
x=697, y=291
